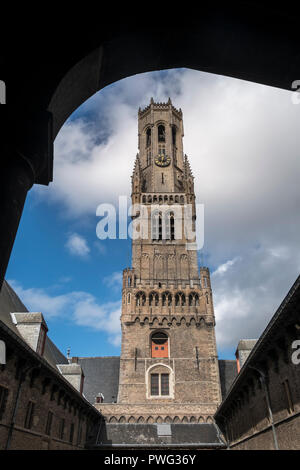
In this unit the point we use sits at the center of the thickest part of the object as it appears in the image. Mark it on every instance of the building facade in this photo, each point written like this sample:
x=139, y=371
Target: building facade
x=168, y=366
x=41, y=401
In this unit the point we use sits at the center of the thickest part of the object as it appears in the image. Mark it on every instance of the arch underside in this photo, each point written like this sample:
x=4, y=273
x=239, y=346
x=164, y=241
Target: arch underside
x=259, y=46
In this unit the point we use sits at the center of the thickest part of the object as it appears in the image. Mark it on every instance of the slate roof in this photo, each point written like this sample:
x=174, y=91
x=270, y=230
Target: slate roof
x=10, y=303
x=228, y=372
x=246, y=344
x=101, y=374
x=151, y=435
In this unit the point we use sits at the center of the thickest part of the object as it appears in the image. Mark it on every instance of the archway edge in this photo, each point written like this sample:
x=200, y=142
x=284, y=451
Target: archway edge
x=222, y=43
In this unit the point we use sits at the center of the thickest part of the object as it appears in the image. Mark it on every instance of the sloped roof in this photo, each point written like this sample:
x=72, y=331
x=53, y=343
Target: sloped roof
x=11, y=303
x=101, y=376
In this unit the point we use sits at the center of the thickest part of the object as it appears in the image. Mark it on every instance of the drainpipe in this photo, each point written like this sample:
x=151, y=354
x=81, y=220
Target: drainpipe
x=263, y=381
x=13, y=418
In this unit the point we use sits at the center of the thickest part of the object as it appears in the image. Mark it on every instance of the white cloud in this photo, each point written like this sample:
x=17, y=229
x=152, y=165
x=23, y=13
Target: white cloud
x=114, y=280
x=80, y=307
x=77, y=245
x=247, y=295
x=223, y=268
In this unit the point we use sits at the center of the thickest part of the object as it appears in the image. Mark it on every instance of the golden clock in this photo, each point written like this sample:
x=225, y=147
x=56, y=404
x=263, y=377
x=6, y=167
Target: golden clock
x=162, y=160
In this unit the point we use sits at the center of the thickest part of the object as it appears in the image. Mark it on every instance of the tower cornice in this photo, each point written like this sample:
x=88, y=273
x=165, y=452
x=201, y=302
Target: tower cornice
x=159, y=107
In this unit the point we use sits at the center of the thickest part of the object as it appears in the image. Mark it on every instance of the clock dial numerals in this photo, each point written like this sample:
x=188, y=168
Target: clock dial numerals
x=162, y=160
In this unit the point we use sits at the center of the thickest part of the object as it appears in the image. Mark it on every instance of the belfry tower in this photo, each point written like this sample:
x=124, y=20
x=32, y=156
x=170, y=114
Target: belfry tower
x=168, y=365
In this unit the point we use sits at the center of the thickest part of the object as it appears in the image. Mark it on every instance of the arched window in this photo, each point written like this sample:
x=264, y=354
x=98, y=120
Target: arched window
x=148, y=137
x=166, y=299
x=159, y=344
x=153, y=299
x=193, y=299
x=169, y=226
x=179, y=299
x=161, y=133
x=160, y=381
x=156, y=226
x=140, y=299
x=172, y=226
x=174, y=135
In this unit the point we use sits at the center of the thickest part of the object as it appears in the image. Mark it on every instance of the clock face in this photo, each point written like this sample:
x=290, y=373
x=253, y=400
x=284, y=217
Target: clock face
x=162, y=160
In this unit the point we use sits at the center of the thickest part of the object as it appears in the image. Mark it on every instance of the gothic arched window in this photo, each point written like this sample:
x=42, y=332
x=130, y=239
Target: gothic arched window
x=166, y=299
x=161, y=133
x=193, y=299
x=148, y=137
x=156, y=226
x=179, y=299
x=140, y=299
x=153, y=299
x=174, y=135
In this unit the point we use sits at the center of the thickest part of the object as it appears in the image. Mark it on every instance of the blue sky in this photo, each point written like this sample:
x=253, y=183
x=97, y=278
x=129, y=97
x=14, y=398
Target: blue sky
x=243, y=143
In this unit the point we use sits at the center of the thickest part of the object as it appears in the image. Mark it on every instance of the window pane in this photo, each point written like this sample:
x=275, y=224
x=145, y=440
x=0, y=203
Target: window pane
x=154, y=384
x=165, y=384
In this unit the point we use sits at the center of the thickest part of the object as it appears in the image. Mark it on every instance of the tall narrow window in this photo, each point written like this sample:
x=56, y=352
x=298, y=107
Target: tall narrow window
x=49, y=423
x=29, y=415
x=161, y=133
x=166, y=299
x=3, y=400
x=174, y=135
x=61, y=429
x=169, y=226
x=172, y=226
x=154, y=384
x=155, y=226
x=148, y=137
x=71, y=433
x=164, y=384
x=79, y=435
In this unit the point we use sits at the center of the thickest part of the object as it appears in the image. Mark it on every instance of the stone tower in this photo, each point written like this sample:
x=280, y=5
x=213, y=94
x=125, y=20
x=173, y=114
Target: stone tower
x=168, y=365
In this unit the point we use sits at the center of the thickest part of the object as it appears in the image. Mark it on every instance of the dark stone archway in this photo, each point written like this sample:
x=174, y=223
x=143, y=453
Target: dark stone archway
x=54, y=69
